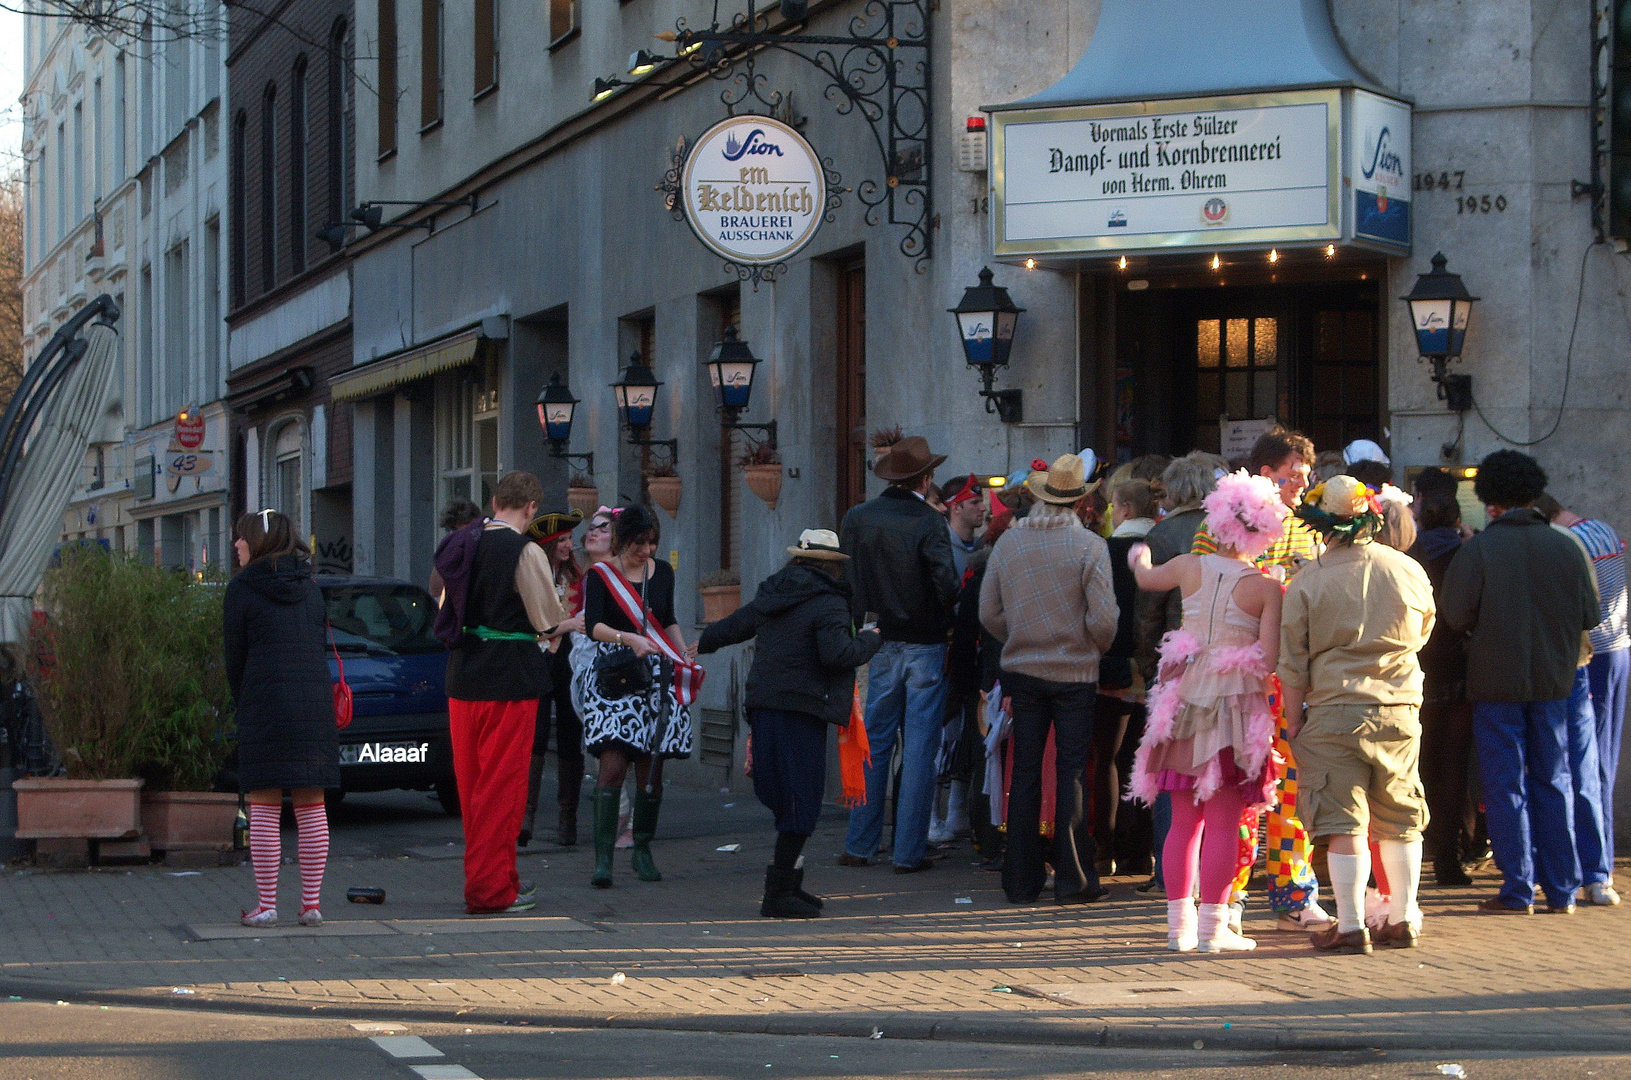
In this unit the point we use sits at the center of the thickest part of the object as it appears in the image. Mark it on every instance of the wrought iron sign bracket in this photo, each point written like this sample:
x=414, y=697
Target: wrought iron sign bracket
x=766, y=430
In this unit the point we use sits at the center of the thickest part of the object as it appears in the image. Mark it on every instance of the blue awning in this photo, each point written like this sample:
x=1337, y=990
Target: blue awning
x=1146, y=50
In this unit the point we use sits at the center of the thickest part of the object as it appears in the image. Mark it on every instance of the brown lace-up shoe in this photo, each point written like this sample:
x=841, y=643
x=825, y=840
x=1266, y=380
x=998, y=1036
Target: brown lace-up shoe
x=1397, y=936
x=1334, y=940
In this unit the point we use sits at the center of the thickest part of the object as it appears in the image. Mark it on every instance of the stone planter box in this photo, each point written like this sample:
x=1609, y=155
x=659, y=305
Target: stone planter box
x=665, y=492
x=718, y=601
x=584, y=499
x=55, y=808
x=189, y=820
x=764, y=481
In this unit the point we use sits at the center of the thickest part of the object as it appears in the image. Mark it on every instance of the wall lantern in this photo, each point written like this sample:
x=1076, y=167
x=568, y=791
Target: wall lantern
x=636, y=394
x=556, y=407
x=731, y=369
x=986, y=318
x=1440, y=307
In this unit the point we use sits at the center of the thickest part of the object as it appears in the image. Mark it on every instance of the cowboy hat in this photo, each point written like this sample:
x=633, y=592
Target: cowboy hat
x=906, y=459
x=1064, y=483
x=547, y=527
x=818, y=544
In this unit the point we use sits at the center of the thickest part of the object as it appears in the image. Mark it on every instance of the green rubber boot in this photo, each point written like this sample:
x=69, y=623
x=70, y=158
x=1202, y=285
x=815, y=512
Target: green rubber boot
x=605, y=808
x=643, y=824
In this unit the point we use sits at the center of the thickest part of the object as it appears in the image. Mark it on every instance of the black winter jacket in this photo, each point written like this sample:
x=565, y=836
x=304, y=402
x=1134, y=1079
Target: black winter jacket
x=901, y=566
x=275, y=630
x=807, y=651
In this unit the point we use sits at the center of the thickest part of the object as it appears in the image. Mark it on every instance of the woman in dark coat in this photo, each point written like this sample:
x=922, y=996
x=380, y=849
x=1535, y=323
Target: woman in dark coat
x=274, y=632
x=803, y=679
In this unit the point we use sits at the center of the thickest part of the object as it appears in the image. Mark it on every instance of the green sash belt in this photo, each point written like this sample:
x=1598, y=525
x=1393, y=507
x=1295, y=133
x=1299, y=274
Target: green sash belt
x=487, y=633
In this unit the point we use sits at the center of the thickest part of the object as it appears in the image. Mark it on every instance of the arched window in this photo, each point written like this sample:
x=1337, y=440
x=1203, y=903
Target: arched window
x=297, y=166
x=268, y=193
x=335, y=119
x=240, y=128
x=285, y=472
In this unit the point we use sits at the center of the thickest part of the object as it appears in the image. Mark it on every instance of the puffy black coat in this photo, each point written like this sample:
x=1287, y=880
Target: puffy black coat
x=275, y=630
x=807, y=651
x=902, y=566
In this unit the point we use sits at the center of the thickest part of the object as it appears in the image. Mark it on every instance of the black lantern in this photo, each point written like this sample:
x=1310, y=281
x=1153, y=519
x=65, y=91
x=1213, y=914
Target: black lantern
x=730, y=369
x=555, y=408
x=1440, y=308
x=986, y=319
x=636, y=394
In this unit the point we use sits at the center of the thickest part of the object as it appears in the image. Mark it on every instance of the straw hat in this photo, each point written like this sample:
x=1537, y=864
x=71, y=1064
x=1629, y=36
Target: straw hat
x=818, y=544
x=908, y=458
x=1064, y=483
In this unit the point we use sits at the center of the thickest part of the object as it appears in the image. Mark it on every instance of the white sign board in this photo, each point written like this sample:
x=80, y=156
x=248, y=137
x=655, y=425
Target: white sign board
x=1379, y=164
x=1201, y=172
x=1237, y=437
x=755, y=190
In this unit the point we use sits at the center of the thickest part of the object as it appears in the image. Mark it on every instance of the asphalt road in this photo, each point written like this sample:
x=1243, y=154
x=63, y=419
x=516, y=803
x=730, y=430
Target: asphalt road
x=45, y=1041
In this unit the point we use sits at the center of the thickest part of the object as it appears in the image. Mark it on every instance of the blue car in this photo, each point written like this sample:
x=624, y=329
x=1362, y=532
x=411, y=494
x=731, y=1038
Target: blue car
x=397, y=668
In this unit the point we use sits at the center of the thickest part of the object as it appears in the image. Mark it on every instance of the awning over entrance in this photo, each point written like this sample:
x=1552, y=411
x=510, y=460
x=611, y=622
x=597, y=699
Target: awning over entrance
x=380, y=375
x=1144, y=50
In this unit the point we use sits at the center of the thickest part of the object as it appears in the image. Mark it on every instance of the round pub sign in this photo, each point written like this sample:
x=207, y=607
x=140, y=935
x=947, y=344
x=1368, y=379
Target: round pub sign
x=754, y=190
x=190, y=430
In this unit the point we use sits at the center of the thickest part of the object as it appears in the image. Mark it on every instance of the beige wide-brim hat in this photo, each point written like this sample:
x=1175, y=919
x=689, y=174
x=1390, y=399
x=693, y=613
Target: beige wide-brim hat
x=818, y=544
x=1064, y=483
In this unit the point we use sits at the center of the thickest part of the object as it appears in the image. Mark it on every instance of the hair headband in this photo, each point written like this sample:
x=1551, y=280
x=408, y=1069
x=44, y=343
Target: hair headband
x=965, y=493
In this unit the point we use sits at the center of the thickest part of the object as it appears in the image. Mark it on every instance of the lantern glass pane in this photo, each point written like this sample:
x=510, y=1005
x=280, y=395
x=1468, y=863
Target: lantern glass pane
x=1461, y=313
x=1431, y=319
x=734, y=383
x=1006, y=321
x=978, y=339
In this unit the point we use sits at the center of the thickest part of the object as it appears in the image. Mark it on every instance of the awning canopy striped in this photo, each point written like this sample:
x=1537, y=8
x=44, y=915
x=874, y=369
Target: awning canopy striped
x=378, y=376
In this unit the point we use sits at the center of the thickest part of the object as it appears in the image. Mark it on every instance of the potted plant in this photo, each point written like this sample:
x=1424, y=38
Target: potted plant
x=582, y=494
x=127, y=668
x=762, y=470
x=721, y=593
x=663, y=483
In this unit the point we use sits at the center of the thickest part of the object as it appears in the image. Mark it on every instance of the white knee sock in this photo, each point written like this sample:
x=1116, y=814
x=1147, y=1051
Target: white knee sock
x=1402, y=861
x=957, y=806
x=1349, y=875
x=1182, y=927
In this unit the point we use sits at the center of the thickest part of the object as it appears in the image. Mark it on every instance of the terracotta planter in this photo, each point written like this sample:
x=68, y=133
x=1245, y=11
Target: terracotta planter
x=55, y=808
x=189, y=820
x=584, y=499
x=665, y=492
x=719, y=601
x=764, y=481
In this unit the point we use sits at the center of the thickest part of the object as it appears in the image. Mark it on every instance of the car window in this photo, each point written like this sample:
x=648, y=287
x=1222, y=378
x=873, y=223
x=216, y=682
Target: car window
x=397, y=619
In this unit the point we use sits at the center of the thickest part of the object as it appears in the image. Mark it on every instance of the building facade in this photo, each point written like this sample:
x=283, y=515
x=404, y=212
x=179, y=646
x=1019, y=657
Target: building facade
x=290, y=178
x=125, y=172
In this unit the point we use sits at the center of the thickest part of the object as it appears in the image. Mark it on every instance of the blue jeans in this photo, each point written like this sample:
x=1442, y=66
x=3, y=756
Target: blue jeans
x=1589, y=842
x=1609, y=673
x=906, y=688
x=1523, y=764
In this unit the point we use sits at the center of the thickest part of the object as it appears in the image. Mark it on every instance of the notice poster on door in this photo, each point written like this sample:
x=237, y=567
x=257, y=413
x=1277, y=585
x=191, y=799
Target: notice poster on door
x=1237, y=437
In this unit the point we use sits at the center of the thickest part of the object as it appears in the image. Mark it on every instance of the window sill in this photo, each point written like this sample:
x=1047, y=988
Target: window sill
x=565, y=39
x=485, y=93
x=430, y=127
x=385, y=156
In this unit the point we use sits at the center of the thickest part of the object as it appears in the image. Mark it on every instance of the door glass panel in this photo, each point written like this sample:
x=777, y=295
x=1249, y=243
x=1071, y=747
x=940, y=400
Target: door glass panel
x=1358, y=390
x=1235, y=389
x=1266, y=345
x=1235, y=343
x=1264, y=387
x=1208, y=402
x=1327, y=388
x=1206, y=343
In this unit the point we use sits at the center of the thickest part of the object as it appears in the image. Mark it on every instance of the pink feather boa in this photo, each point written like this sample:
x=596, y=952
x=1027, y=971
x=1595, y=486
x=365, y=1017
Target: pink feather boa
x=1245, y=512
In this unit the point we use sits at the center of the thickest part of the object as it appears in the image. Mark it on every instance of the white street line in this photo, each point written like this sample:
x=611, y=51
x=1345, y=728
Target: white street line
x=405, y=1046
x=444, y=1072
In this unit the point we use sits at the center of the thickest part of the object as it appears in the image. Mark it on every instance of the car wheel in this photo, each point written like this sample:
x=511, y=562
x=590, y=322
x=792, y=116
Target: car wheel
x=447, y=793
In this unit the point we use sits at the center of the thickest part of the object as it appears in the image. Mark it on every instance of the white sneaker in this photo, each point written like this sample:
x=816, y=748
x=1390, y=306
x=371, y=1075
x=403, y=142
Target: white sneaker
x=941, y=833
x=1602, y=893
x=1313, y=917
x=261, y=917
x=311, y=917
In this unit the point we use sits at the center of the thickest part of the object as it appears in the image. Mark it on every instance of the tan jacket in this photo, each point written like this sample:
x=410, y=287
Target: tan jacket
x=1353, y=621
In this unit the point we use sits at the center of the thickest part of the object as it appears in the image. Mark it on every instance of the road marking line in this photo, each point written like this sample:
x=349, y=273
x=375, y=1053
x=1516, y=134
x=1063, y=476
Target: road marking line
x=367, y=1026
x=444, y=1072
x=405, y=1046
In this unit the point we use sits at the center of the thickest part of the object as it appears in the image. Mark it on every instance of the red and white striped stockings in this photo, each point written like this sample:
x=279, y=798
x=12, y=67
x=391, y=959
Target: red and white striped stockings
x=266, y=852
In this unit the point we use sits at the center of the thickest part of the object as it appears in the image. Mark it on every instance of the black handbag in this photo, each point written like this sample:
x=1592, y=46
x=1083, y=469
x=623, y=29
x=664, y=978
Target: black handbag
x=619, y=670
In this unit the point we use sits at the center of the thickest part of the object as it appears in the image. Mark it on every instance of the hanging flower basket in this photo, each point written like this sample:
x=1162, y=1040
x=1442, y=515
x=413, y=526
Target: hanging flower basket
x=665, y=492
x=764, y=481
x=584, y=498
x=719, y=601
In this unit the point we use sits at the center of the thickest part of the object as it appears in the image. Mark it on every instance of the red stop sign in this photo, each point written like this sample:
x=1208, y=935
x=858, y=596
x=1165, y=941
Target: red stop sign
x=190, y=430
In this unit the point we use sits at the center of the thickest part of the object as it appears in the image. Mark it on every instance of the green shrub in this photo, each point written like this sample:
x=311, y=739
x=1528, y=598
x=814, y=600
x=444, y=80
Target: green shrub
x=129, y=672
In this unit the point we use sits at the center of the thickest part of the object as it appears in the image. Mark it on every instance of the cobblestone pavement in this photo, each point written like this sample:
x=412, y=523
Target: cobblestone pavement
x=938, y=954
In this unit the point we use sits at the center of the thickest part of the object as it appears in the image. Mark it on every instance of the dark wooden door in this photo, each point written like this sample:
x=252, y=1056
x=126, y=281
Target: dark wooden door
x=851, y=397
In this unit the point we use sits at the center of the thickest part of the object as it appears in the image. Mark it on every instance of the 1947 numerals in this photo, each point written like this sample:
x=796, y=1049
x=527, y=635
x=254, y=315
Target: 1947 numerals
x=1443, y=181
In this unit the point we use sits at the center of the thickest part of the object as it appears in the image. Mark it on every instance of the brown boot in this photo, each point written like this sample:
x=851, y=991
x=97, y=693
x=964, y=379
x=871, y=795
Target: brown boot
x=1334, y=940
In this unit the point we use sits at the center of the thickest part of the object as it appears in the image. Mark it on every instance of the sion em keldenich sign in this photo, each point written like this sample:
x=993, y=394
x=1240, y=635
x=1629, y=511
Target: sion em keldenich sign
x=754, y=190
x=1250, y=169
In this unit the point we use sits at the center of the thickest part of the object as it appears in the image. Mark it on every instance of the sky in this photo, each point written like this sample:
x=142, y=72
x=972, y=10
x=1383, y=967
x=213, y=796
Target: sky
x=11, y=86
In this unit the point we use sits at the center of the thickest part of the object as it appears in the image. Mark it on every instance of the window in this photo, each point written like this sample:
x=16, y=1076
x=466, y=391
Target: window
x=144, y=102
x=268, y=192
x=430, y=63
x=118, y=119
x=563, y=19
x=212, y=309
x=467, y=416
x=62, y=180
x=99, y=467
x=144, y=357
x=237, y=208
x=79, y=162
x=99, y=163
x=1237, y=365
x=486, y=40
x=369, y=618
x=297, y=166
x=387, y=77
x=334, y=120
x=286, y=472
x=177, y=76
x=177, y=322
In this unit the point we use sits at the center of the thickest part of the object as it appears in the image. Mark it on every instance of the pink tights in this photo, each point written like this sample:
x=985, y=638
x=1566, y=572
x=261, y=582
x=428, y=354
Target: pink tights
x=1207, y=835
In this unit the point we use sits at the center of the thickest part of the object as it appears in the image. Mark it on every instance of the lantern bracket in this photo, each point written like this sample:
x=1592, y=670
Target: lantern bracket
x=1454, y=388
x=558, y=451
x=767, y=431
x=637, y=437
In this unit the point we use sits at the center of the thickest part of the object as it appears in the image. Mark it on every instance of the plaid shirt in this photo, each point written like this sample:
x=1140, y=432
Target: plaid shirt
x=1299, y=542
x=1049, y=598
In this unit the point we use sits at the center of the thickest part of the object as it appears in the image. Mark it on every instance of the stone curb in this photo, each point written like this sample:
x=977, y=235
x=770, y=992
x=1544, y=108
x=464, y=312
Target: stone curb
x=1058, y=1031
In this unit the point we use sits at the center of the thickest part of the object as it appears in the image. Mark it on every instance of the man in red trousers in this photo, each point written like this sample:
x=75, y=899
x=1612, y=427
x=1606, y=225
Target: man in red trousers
x=495, y=676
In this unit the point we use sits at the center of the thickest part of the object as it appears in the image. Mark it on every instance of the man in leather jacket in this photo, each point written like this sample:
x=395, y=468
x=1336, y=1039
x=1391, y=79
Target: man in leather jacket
x=902, y=570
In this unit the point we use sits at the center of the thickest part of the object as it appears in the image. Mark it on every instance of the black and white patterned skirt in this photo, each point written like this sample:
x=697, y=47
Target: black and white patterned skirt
x=630, y=723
